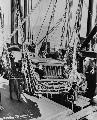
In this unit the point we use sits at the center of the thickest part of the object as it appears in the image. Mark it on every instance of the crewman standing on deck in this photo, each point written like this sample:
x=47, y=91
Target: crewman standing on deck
x=91, y=78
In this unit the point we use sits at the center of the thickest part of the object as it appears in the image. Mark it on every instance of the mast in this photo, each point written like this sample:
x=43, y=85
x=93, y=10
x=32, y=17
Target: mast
x=89, y=21
x=25, y=15
x=90, y=12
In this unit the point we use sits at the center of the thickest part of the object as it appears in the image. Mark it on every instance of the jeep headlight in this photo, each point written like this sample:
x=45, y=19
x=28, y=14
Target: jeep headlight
x=40, y=67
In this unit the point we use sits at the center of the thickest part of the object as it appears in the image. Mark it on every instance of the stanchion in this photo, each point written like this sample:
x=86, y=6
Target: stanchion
x=0, y=96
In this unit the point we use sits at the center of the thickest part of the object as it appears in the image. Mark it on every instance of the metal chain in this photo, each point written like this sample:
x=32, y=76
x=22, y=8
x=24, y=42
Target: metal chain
x=51, y=18
x=77, y=21
x=20, y=26
x=52, y=15
x=44, y=20
x=66, y=21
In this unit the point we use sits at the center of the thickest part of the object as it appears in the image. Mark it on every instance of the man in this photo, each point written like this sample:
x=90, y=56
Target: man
x=14, y=82
x=91, y=78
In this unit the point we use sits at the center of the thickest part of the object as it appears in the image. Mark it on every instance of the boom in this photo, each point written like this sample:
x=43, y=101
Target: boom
x=89, y=37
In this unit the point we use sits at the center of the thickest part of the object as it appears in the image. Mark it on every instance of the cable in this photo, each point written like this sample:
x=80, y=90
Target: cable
x=51, y=30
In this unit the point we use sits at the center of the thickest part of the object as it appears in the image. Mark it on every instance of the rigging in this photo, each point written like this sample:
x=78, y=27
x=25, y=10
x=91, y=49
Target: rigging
x=44, y=20
x=24, y=20
x=51, y=18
